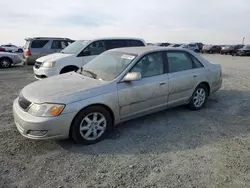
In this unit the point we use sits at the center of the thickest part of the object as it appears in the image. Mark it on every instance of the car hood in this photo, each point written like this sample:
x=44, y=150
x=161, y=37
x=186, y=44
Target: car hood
x=53, y=57
x=65, y=88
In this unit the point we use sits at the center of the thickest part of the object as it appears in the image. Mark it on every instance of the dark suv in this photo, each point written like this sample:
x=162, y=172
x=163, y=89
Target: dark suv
x=245, y=51
x=232, y=49
x=41, y=46
x=211, y=49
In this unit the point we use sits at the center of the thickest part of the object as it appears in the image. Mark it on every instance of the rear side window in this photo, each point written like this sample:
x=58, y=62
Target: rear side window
x=178, y=61
x=197, y=63
x=39, y=43
x=110, y=44
x=136, y=43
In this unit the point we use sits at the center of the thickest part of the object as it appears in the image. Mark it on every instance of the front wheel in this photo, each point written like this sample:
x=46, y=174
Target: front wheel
x=199, y=97
x=91, y=125
x=5, y=63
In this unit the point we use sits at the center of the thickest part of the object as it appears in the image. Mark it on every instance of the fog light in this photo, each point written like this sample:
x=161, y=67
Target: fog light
x=37, y=133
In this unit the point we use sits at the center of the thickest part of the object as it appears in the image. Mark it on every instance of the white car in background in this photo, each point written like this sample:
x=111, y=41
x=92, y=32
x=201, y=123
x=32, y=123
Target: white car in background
x=7, y=59
x=11, y=48
x=78, y=54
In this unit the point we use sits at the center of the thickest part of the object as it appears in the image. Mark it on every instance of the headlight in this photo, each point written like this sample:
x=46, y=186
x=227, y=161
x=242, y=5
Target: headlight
x=49, y=64
x=47, y=110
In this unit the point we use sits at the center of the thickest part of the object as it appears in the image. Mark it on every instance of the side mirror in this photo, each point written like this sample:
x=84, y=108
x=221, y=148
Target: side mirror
x=132, y=76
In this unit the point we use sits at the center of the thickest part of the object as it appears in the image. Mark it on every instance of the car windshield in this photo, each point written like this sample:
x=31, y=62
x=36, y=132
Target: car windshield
x=75, y=47
x=107, y=66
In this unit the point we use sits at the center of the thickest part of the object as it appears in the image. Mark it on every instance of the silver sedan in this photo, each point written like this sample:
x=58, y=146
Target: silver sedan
x=118, y=85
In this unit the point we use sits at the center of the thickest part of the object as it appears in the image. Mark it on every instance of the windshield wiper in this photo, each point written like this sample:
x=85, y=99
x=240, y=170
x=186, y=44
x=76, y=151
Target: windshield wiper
x=94, y=75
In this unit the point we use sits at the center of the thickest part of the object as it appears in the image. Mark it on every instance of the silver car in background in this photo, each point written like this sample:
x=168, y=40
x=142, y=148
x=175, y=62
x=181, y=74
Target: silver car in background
x=7, y=59
x=118, y=85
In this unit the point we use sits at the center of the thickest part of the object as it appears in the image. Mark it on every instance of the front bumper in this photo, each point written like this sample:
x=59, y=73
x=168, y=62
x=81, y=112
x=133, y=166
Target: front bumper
x=51, y=127
x=44, y=72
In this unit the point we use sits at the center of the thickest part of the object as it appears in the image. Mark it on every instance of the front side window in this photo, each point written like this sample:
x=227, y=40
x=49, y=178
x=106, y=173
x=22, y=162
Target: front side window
x=150, y=65
x=178, y=61
x=108, y=65
x=75, y=47
x=95, y=48
x=56, y=44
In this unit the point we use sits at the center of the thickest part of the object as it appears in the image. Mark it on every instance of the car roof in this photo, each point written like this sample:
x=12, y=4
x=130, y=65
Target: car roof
x=115, y=38
x=50, y=38
x=146, y=49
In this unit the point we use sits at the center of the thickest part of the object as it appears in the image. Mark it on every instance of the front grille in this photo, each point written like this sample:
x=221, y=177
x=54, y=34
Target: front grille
x=23, y=103
x=38, y=65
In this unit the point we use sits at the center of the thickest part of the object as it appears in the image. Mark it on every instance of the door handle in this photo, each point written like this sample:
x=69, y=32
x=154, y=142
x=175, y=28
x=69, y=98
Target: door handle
x=195, y=76
x=162, y=83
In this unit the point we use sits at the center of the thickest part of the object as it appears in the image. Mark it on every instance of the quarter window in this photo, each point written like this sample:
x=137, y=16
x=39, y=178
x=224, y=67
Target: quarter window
x=178, y=61
x=135, y=43
x=39, y=43
x=197, y=63
x=111, y=44
x=150, y=65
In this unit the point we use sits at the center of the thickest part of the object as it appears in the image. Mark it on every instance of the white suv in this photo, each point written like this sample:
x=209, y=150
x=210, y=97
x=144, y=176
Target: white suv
x=79, y=53
x=192, y=46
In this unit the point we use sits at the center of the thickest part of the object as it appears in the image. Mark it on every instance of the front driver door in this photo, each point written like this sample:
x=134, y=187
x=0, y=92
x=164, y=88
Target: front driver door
x=149, y=94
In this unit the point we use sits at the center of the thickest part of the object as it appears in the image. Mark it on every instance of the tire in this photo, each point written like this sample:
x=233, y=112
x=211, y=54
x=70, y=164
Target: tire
x=68, y=69
x=20, y=50
x=200, y=94
x=90, y=126
x=5, y=63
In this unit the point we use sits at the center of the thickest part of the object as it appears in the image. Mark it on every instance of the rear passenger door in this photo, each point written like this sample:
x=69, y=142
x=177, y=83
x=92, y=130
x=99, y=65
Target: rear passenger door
x=184, y=76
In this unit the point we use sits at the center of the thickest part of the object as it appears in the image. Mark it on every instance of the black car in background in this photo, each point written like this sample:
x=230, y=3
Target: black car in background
x=162, y=44
x=211, y=49
x=231, y=49
x=245, y=51
x=174, y=45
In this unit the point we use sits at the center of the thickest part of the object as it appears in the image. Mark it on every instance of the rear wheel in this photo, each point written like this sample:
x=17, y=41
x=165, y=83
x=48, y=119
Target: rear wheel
x=5, y=63
x=91, y=125
x=199, y=97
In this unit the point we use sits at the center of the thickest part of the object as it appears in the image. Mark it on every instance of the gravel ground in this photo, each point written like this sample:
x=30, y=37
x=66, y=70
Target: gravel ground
x=172, y=148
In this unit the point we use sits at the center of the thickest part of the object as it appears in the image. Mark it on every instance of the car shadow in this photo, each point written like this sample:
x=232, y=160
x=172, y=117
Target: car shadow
x=226, y=115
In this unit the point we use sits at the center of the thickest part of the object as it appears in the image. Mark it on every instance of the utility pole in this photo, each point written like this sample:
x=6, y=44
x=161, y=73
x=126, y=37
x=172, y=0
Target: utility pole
x=243, y=40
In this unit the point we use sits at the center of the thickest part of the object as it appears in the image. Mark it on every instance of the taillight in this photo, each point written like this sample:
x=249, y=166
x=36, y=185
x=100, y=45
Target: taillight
x=28, y=53
x=2, y=50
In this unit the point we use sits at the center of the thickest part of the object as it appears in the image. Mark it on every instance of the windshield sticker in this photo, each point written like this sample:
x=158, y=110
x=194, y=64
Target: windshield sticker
x=130, y=57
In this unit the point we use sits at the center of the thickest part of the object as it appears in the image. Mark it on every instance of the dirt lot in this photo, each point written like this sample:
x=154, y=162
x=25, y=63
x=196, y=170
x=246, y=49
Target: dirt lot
x=173, y=148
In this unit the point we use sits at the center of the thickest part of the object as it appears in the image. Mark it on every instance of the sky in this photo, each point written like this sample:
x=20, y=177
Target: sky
x=175, y=21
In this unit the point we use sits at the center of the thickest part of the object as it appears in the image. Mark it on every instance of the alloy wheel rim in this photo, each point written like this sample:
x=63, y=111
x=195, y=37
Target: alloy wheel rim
x=93, y=126
x=5, y=63
x=199, y=97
